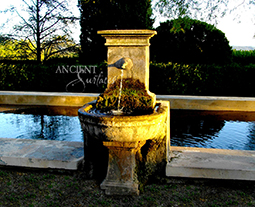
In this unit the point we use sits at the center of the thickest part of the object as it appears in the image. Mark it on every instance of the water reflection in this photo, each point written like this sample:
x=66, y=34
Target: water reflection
x=45, y=124
x=250, y=145
x=207, y=129
x=211, y=129
x=190, y=130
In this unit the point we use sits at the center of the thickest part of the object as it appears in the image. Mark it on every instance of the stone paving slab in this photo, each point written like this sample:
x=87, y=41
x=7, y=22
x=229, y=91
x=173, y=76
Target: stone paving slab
x=211, y=163
x=184, y=161
x=41, y=153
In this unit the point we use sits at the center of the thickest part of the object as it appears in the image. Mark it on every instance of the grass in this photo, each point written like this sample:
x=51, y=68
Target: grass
x=23, y=187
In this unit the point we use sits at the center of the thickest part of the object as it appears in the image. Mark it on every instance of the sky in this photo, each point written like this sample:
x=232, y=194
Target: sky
x=239, y=31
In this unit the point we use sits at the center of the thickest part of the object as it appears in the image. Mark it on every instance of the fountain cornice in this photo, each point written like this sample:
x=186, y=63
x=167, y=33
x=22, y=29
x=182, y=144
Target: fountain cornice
x=131, y=38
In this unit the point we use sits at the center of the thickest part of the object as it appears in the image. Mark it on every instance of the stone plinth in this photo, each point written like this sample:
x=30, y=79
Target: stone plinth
x=121, y=177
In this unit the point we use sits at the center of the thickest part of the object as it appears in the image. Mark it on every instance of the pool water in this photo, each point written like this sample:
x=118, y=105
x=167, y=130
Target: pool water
x=211, y=129
x=205, y=129
x=42, y=124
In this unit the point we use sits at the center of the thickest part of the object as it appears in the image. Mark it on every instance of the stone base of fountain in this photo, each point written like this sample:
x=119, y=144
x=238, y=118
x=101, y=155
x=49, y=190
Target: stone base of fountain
x=125, y=151
x=120, y=178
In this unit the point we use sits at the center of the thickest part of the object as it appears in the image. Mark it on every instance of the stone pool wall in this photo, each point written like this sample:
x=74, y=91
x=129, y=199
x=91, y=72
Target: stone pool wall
x=176, y=102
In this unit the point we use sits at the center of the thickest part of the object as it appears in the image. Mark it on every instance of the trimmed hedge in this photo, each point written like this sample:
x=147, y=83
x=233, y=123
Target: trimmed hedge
x=207, y=80
x=61, y=77
x=233, y=79
x=243, y=56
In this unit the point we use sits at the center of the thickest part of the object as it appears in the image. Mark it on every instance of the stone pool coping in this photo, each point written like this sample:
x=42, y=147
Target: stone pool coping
x=192, y=162
x=211, y=163
x=176, y=101
x=41, y=154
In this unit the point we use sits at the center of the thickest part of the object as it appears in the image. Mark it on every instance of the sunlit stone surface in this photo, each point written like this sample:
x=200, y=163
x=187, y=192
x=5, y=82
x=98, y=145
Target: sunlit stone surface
x=126, y=150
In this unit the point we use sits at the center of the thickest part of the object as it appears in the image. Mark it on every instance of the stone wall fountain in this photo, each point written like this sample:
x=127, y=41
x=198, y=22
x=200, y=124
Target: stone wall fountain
x=126, y=131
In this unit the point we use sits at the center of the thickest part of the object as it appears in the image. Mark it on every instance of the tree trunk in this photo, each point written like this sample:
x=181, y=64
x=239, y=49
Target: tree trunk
x=38, y=40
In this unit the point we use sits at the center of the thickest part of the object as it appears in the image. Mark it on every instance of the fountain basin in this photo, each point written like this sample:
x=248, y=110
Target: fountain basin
x=125, y=151
x=122, y=128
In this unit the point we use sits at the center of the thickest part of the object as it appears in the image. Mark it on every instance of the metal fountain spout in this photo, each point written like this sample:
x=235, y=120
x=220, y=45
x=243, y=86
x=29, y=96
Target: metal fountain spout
x=123, y=64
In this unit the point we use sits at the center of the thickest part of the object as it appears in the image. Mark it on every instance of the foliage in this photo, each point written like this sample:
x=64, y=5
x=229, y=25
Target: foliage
x=134, y=98
x=50, y=76
x=204, y=10
x=244, y=57
x=109, y=14
x=186, y=40
x=46, y=30
x=4, y=39
x=233, y=79
x=174, y=78
x=12, y=49
x=210, y=80
x=15, y=77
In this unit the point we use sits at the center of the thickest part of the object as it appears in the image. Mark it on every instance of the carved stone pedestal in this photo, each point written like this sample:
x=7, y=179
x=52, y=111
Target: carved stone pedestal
x=121, y=178
x=125, y=151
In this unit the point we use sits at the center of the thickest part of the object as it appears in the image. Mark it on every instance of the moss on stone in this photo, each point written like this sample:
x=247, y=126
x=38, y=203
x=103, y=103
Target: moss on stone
x=134, y=98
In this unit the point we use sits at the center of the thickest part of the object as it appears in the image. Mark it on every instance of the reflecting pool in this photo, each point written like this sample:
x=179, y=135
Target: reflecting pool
x=49, y=123
x=205, y=129
x=211, y=129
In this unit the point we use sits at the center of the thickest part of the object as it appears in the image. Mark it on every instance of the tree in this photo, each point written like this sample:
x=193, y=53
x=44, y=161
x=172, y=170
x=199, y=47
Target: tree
x=204, y=10
x=12, y=49
x=4, y=39
x=185, y=40
x=46, y=31
x=109, y=14
x=208, y=10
